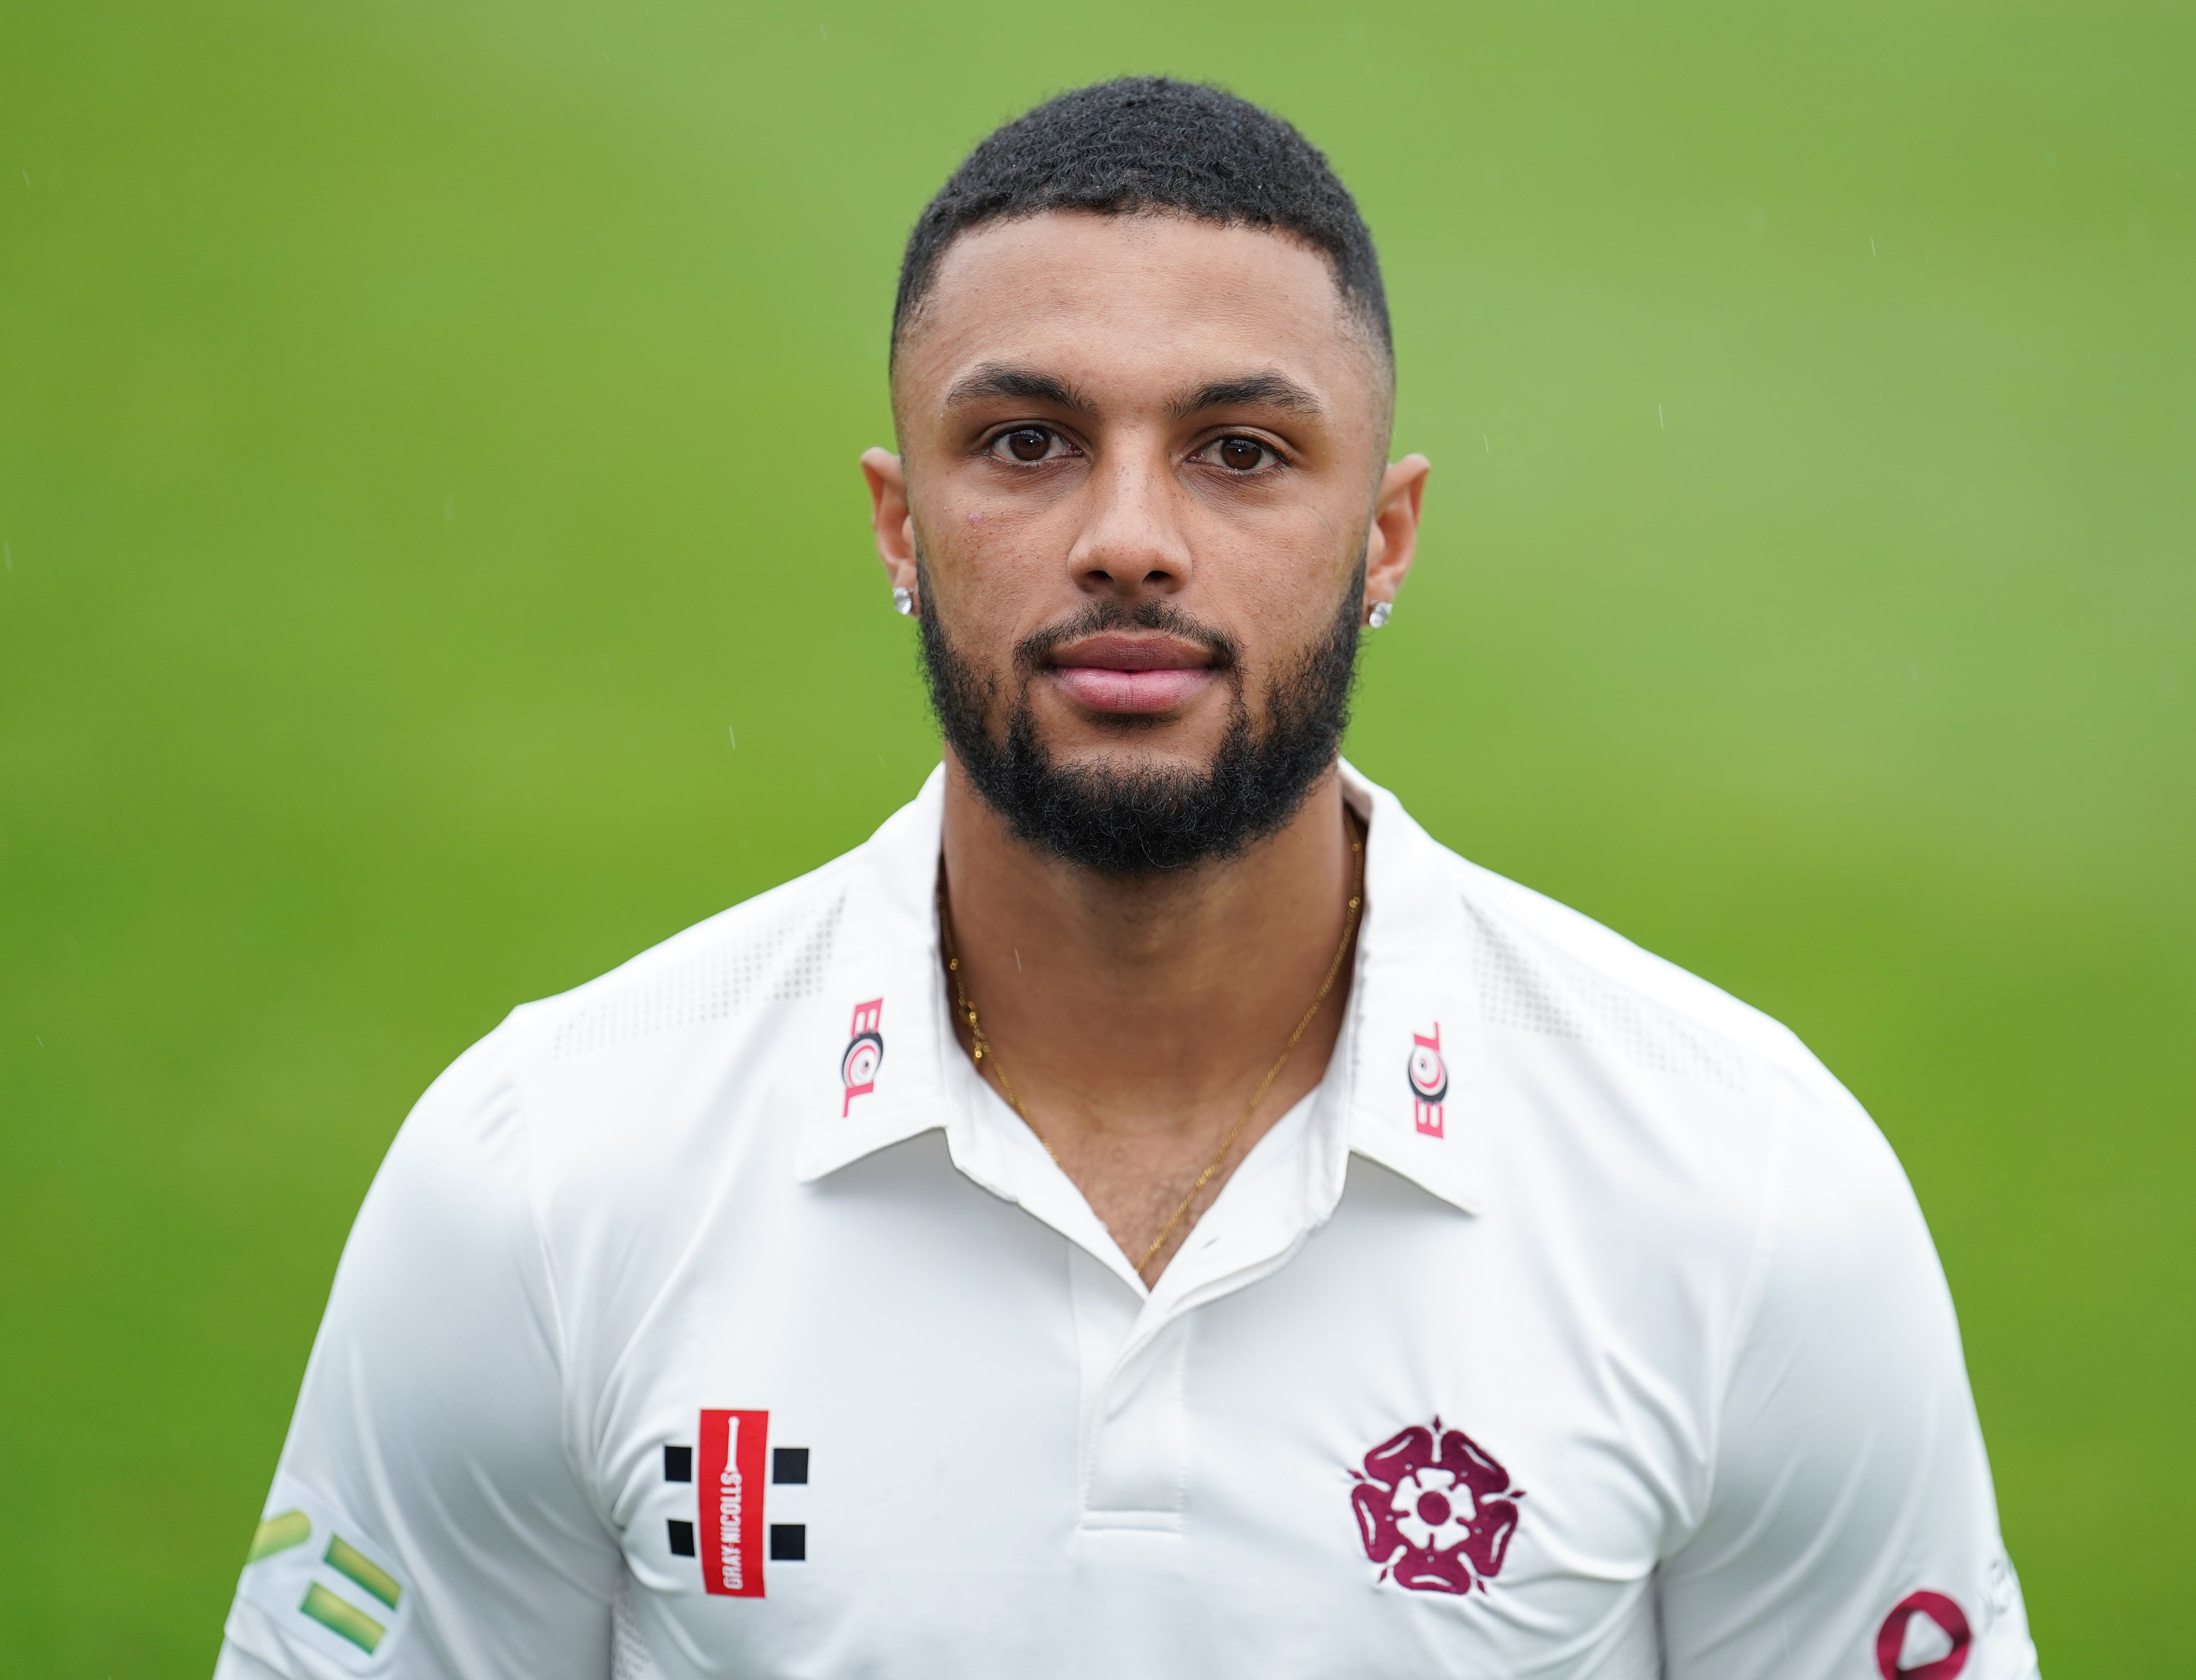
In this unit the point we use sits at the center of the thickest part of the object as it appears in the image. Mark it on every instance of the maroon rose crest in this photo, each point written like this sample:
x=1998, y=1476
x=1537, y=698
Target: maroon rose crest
x=1434, y=1511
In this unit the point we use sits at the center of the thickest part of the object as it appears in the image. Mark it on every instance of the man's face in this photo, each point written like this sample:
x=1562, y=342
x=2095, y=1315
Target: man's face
x=1142, y=485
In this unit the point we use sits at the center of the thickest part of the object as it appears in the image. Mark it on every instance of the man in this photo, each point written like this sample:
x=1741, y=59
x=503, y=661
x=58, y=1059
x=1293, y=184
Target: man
x=1150, y=1211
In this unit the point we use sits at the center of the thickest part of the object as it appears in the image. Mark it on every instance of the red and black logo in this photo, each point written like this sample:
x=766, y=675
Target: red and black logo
x=731, y=1530
x=1925, y=1637
x=864, y=1055
x=1428, y=1077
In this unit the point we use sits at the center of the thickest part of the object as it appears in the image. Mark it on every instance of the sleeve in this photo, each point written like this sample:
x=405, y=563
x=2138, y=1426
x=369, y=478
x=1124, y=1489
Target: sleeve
x=1850, y=1529
x=427, y=1518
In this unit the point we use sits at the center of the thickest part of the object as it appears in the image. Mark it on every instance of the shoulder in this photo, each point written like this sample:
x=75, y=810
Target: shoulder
x=597, y=1087
x=1643, y=1111
x=1541, y=967
x=584, y=1138
x=1542, y=970
x=1605, y=1050
x=770, y=948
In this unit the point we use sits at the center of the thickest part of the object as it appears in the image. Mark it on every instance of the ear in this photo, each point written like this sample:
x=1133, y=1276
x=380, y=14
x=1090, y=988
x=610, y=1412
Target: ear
x=1393, y=541
x=890, y=516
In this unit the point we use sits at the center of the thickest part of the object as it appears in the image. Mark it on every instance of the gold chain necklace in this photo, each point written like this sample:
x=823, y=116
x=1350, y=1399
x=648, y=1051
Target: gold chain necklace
x=981, y=1050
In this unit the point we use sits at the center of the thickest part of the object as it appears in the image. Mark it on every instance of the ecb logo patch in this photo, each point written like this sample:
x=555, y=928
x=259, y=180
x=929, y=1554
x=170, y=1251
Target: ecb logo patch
x=864, y=1055
x=1428, y=1077
x=1434, y=1511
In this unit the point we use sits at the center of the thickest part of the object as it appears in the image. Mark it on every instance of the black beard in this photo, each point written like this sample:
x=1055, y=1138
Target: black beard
x=1143, y=822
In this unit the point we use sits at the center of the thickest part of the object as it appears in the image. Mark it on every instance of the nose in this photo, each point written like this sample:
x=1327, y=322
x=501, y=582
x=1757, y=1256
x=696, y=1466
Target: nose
x=1132, y=545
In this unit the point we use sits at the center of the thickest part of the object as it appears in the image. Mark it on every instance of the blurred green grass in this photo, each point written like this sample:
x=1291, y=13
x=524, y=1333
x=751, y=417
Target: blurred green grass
x=425, y=430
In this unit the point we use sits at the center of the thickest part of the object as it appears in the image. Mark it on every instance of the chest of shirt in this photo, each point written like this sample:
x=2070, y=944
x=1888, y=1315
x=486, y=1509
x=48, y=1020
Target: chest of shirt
x=1404, y=1451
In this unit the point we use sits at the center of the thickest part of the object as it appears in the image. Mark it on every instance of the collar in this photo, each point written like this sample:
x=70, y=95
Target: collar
x=1399, y=1088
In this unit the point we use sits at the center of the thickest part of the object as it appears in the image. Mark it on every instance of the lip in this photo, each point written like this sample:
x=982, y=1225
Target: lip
x=1132, y=675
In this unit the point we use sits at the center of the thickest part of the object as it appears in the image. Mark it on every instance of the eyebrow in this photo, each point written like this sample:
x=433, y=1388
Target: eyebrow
x=1269, y=389
x=997, y=378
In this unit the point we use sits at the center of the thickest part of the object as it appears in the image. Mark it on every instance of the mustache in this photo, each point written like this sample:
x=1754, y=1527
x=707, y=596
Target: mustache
x=1034, y=651
x=1137, y=820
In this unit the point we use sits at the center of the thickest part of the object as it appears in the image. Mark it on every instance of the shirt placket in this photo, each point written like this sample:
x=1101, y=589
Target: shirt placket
x=1134, y=1429
x=1133, y=1345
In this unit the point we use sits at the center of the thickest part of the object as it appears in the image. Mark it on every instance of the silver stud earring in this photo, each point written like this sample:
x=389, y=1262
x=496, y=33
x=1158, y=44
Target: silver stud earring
x=1378, y=615
x=903, y=603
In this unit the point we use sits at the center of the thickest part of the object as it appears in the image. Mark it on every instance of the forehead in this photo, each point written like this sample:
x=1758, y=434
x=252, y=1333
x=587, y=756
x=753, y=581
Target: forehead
x=1126, y=301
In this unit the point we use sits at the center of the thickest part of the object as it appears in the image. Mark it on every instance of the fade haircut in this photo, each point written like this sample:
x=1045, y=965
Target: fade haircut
x=1146, y=145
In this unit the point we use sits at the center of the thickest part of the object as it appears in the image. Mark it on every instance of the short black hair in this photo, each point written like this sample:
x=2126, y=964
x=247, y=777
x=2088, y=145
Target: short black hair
x=1146, y=144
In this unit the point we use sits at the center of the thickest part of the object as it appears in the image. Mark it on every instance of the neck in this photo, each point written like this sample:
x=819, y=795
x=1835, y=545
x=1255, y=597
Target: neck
x=1136, y=1016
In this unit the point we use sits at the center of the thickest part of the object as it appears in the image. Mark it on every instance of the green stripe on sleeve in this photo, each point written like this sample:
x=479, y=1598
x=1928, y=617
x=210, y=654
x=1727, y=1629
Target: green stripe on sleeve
x=333, y=1614
x=348, y=1560
x=279, y=1533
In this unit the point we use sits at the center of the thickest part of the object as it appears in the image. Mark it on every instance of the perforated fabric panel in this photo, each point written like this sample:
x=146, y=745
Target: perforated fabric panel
x=629, y=1654
x=1540, y=992
x=775, y=963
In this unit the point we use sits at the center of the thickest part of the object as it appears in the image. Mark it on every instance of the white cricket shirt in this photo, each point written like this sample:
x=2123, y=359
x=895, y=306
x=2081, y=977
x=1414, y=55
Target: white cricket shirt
x=716, y=1318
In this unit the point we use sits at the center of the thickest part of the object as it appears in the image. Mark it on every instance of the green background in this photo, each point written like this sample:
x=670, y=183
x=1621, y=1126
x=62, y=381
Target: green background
x=426, y=430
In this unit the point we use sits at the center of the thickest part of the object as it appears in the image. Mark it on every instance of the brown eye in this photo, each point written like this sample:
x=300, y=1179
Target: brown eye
x=1028, y=443
x=1241, y=453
